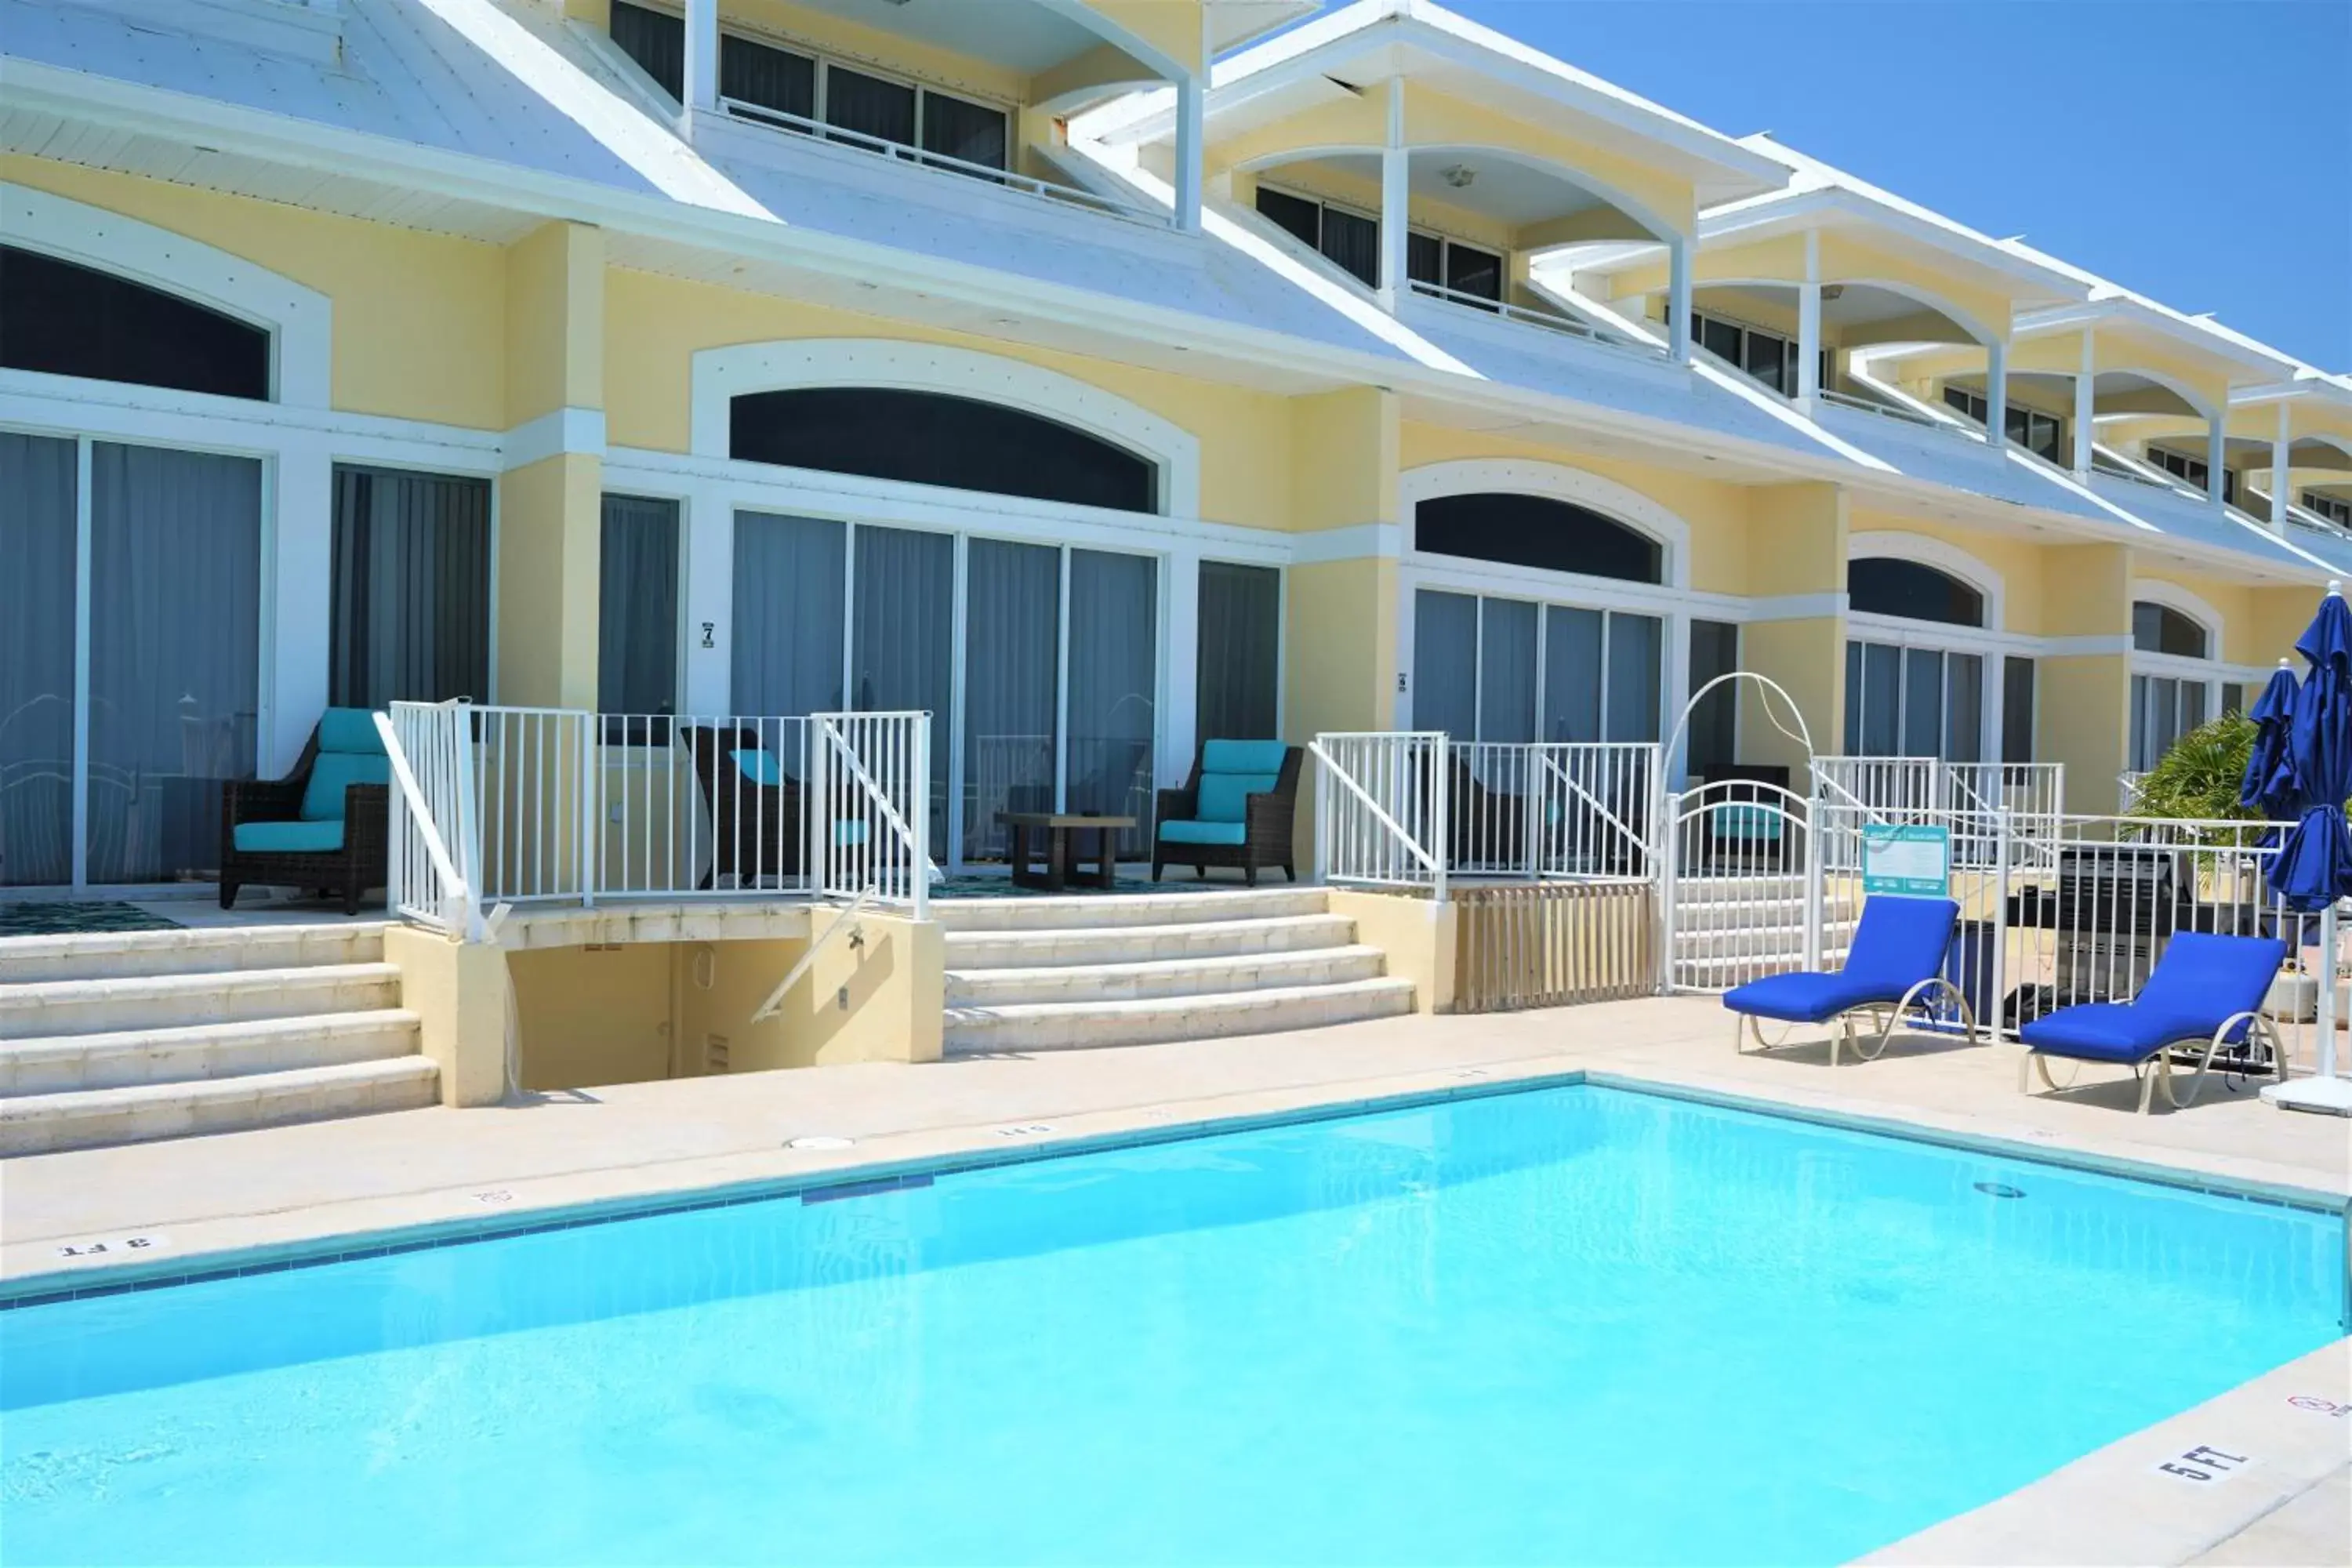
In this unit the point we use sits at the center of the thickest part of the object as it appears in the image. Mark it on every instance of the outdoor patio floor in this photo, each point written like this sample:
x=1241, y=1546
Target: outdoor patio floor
x=231, y=1193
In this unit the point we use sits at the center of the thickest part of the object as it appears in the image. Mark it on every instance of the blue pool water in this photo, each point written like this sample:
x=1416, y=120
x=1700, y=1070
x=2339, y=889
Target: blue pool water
x=1568, y=1325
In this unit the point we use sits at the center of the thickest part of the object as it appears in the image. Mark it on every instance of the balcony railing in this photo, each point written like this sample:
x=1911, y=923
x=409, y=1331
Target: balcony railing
x=1007, y=179
x=1911, y=416
x=1550, y=320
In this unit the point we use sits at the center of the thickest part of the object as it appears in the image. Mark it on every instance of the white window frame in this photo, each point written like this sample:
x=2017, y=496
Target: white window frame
x=1890, y=631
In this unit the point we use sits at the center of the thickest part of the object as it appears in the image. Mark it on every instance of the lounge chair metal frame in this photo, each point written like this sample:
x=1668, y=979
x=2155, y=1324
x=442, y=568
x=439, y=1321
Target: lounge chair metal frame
x=2155, y=1070
x=1885, y=1020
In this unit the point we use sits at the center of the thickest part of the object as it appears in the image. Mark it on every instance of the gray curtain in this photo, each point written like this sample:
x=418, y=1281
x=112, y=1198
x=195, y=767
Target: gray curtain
x=1445, y=663
x=1114, y=682
x=903, y=640
x=788, y=610
x=1882, y=700
x=1635, y=645
x=1507, y=672
x=36, y=660
x=175, y=655
x=1923, y=702
x=1715, y=724
x=1013, y=633
x=1572, y=674
x=1964, y=732
x=410, y=615
x=1237, y=674
x=636, y=611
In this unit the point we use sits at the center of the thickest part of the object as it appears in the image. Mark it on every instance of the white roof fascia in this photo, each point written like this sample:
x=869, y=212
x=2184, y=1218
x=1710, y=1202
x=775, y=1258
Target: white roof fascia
x=1799, y=211
x=2309, y=382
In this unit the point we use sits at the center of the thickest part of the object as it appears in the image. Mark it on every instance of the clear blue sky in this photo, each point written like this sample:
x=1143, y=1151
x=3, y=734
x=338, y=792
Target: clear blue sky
x=2200, y=153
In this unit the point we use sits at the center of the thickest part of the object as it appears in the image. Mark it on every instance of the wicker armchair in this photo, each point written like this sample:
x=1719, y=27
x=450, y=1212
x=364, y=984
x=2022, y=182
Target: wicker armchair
x=1236, y=810
x=754, y=806
x=324, y=825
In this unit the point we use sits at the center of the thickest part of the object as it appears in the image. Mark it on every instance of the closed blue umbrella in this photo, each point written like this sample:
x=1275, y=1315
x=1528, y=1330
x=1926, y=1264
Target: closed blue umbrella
x=2269, y=784
x=2314, y=866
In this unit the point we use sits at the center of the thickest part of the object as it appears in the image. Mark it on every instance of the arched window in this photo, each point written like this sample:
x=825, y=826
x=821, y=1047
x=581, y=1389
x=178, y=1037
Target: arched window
x=1541, y=531
x=936, y=438
x=64, y=318
x=2161, y=629
x=1890, y=585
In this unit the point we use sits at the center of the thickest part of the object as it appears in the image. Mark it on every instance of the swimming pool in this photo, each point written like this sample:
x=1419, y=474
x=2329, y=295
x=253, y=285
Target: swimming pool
x=1571, y=1325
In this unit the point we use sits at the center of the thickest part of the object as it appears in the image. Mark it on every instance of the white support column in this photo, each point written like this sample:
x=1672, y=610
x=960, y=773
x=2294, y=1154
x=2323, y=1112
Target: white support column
x=1809, y=324
x=1678, y=297
x=2281, y=439
x=1997, y=394
x=2087, y=380
x=701, y=55
x=1179, y=710
x=1396, y=199
x=2216, y=454
x=1192, y=95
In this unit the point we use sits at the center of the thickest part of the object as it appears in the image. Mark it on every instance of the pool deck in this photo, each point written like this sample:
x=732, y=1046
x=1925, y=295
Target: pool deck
x=237, y=1197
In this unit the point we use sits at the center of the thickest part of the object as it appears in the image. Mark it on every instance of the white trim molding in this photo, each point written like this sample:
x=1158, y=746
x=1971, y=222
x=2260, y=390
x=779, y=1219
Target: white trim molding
x=721, y=374
x=554, y=433
x=1898, y=544
x=1620, y=503
x=300, y=320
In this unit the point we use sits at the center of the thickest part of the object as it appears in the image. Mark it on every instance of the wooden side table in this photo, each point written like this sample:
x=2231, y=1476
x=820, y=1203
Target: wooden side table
x=1061, y=832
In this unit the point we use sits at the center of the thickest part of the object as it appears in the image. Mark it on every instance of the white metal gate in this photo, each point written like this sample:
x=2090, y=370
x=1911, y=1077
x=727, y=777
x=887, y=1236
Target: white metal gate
x=1742, y=895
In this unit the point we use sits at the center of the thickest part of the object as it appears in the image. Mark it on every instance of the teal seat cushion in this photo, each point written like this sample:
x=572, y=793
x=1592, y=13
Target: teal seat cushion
x=289, y=837
x=1224, y=797
x=1242, y=756
x=760, y=766
x=334, y=771
x=350, y=730
x=1202, y=831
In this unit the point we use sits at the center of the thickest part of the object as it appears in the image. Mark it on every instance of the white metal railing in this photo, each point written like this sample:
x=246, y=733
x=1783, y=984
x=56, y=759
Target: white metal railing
x=1910, y=416
x=700, y=804
x=1740, y=887
x=1551, y=320
x=1888, y=790
x=2127, y=785
x=431, y=837
x=869, y=784
x=1381, y=809
x=1562, y=810
x=1028, y=185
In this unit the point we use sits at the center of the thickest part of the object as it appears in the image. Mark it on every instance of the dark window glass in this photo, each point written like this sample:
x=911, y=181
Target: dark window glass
x=1469, y=270
x=1714, y=726
x=1239, y=665
x=657, y=41
x=2234, y=697
x=1425, y=258
x=1720, y=338
x=408, y=588
x=2326, y=506
x=869, y=105
x=1967, y=402
x=2161, y=629
x=1353, y=244
x=973, y=133
x=771, y=78
x=2017, y=709
x=1536, y=530
x=636, y=607
x=931, y=438
x=67, y=320
x=1885, y=586
x=1295, y=215
x=1768, y=360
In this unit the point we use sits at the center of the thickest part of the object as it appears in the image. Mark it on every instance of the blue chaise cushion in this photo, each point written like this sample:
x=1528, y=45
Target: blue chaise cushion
x=1900, y=943
x=1202, y=833
x=2200, y=981
x=291, y=838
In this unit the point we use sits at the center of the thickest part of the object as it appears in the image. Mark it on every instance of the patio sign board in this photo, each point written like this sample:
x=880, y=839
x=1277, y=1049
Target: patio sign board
x=1913, y=858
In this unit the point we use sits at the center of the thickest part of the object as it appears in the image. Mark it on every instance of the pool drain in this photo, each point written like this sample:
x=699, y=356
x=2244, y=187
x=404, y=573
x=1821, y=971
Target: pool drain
x=1999, y=1190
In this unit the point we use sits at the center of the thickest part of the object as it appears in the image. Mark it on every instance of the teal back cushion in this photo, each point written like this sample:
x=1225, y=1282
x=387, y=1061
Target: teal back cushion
x=760, y=767
x=1225, y=797
x=350, y=730
x=331, y=774
x=1242, y=757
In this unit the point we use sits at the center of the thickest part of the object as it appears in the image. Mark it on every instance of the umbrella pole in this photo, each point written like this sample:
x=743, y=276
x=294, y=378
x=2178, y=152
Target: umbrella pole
x=2323, y=1091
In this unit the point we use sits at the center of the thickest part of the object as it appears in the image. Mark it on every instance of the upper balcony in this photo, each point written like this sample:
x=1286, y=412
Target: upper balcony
x=978, y=92
x=1406, y=153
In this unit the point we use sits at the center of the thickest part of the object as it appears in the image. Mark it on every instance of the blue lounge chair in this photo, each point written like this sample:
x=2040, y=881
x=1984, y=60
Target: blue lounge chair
x=1895, y=963
x=2204, y=987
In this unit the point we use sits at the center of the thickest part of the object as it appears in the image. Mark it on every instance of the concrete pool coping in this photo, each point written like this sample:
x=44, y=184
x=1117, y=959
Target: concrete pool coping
x=208, y=1206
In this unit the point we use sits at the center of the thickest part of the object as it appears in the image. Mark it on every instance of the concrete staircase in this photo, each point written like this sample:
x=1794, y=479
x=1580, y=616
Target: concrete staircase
x=121, y=1037
x=1040, y=974
x=1731, y=930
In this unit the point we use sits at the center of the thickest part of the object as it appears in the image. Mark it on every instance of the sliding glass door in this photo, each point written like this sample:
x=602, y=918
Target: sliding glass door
x=1914, y=702
x=1050, y=702
x=130, y=658
x=1506, y=669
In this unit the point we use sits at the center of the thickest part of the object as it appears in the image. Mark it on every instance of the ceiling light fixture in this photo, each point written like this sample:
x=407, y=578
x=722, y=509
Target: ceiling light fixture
x=1458, y=175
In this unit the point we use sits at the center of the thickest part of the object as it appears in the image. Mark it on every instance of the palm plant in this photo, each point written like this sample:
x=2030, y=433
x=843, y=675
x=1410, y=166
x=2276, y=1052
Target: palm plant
x=2198, y=779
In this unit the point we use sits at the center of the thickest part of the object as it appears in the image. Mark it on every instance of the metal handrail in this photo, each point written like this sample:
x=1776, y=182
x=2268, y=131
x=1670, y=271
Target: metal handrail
x=1028, y=185
x=1599, y=808
x=1894, y=411
x=808, y=959
x=1434, y=862
x=1509, y=311
x=455, y=891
